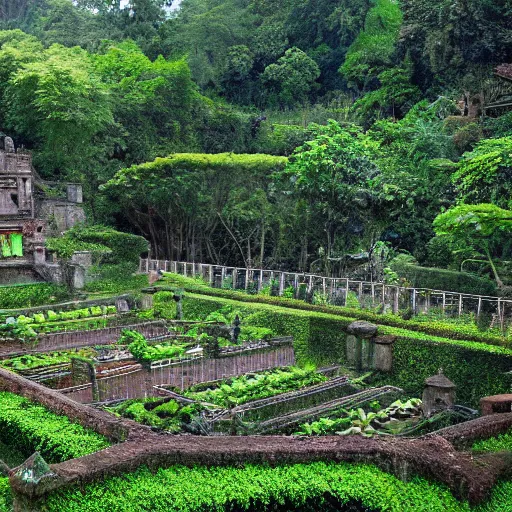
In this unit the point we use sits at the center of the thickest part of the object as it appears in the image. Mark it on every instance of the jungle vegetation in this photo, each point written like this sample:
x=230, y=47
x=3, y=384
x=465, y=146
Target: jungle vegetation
x=295, y=134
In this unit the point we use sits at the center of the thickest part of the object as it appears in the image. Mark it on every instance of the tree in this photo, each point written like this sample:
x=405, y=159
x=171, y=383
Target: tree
x=293, y=77
x=335, y=172
x=485, y=174
x=478, y=226
x=59, y=104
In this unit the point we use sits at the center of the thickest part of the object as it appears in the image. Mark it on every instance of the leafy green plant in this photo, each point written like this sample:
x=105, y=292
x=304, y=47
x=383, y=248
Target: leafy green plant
x=31, y=427
x=256, y=386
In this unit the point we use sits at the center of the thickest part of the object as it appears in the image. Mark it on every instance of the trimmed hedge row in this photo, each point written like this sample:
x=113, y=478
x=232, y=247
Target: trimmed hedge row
x=31, y=427
x=319, y=338
x=28, y=295
x=256, y=488
x=444, y=329
x=441, y=279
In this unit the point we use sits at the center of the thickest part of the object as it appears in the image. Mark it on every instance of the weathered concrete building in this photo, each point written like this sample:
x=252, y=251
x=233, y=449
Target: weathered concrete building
x=30, y=210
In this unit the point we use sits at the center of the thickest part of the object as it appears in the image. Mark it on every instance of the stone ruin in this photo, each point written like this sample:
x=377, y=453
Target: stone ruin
x=30, y=210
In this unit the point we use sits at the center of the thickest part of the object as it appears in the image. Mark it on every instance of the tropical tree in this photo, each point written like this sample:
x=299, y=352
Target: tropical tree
x=478, y=226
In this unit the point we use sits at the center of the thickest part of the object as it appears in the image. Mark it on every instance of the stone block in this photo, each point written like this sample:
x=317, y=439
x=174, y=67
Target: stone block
x=362, y=329
x=383, y=356
x=122, y=306
x=351, y=349
x=82, y=258
x=146, y=302
x=497, y=404
x=75, y=194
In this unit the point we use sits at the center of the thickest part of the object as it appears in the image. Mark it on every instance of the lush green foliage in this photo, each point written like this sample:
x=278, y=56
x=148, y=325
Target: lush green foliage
x=138, y=346
x=28, y=295
x=440, y=327
x=29, y=362
x=32, y=427
x=256, y=488
x=243, y=389
x=501, y=443
x=168, y=415
x=5, y=495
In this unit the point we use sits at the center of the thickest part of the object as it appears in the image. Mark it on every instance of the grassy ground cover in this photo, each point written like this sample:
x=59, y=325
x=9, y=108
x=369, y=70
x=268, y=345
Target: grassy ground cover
x=5, y=495
x=256, y=488
x=33, y=361
x=501, y=443
x=30, y=427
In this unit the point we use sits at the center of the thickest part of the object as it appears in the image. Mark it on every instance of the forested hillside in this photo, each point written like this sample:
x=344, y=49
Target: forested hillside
x=363, y=129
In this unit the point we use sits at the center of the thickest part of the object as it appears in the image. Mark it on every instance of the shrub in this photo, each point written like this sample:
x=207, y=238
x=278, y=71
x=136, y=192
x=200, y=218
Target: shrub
x=29, y=295
x=440, y=279
x=31, y=427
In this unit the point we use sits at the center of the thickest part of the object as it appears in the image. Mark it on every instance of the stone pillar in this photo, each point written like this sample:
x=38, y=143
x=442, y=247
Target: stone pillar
x=78, y=277
x=438, y=394
x=82, y=258
x=383, y=356
x=146, y=302
x=39, y=255
x=74, y=193
x=359, y=345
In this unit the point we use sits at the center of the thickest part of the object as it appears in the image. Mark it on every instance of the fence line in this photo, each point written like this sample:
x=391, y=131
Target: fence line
x=341, y=291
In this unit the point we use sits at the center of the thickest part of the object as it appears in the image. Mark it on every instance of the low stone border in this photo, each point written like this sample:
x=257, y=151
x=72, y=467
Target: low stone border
x=434, y=457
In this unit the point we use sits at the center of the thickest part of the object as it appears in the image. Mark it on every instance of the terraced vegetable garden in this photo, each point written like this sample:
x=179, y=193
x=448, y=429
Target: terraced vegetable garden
x=325, y=407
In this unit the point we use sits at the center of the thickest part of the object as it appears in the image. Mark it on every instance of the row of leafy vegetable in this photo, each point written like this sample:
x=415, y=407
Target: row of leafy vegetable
x=254, y=386
x=27, y=327
x=164, y=414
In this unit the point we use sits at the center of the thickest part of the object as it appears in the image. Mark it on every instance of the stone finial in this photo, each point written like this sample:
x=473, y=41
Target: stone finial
x=9, y=145
x=362, y=329
x=438, y=394
x=32, y=471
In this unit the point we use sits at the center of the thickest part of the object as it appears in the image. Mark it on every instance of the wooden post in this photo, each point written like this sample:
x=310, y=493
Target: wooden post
x=185, y=269
x=479, y=310
x=296, y=284
x=246, y=278
x=396, y=303
x=414, y=301
x=222, y=276
x=193, y=270
x=361, y=293
x=373, y=293
x=460, y=305
x=281, y=284
x=260, y=281
x=383, y=298
x=347, y=289
x=310, y=283
x=235, y=277
x=324, y=286
x=444, y=302
x=210, y=274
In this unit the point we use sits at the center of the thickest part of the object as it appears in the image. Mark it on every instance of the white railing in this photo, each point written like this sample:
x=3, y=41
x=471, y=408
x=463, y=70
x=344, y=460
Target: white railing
x=339, y=290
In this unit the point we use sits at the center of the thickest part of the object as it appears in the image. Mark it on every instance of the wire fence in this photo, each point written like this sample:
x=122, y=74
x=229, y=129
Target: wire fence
x=491, y=312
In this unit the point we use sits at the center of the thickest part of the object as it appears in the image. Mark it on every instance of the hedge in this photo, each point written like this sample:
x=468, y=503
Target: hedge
x=5, y=495
x=30, y=427
x=444, y=329
x=441, y=279
x=319, y=339
x=256, y=488
x=29, y=295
